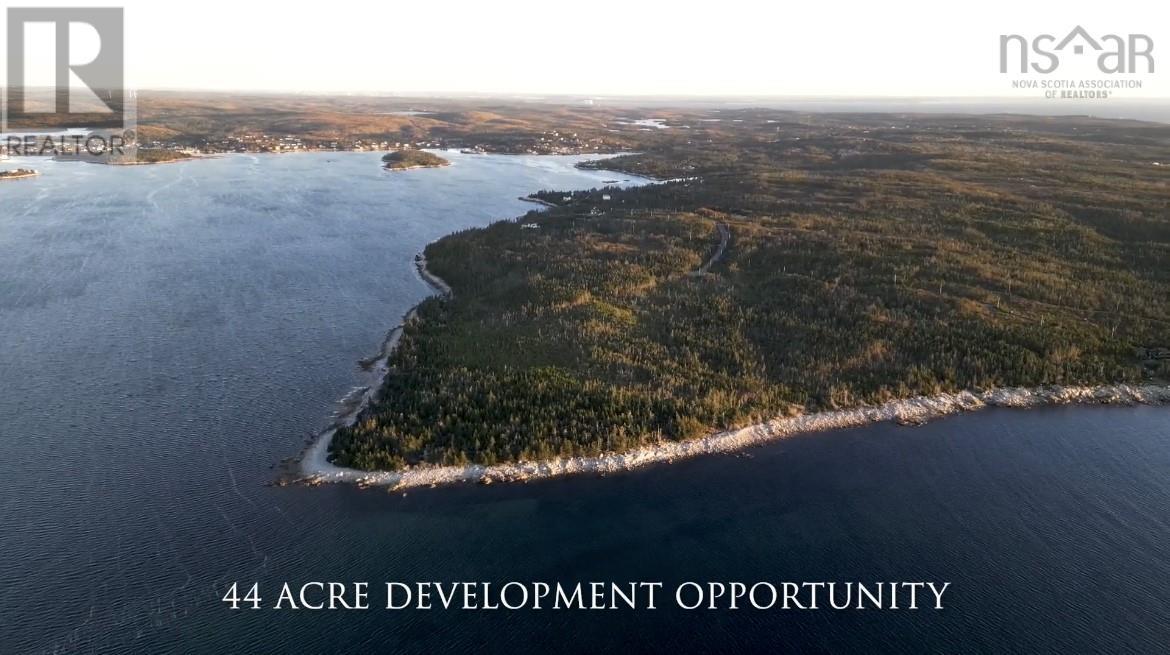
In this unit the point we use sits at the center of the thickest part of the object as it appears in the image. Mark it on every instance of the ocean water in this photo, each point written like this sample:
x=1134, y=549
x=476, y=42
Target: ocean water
x=169, y=333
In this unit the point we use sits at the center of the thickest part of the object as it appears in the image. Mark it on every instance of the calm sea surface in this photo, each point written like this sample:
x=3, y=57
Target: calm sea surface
x=168, y=333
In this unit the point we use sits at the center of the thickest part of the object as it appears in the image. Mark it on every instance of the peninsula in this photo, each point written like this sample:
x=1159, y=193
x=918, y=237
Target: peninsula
x=152, y=156
x=794, y=266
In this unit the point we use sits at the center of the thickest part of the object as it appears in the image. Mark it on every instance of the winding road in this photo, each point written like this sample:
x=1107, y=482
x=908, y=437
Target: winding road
x=724, y=238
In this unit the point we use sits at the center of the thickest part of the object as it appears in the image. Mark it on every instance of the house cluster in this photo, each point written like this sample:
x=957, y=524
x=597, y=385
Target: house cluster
x=556, y=142
x=552, y=142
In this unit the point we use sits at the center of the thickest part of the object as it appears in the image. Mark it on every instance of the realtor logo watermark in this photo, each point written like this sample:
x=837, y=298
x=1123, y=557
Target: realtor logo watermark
x=65, y=91
x=1101, y=65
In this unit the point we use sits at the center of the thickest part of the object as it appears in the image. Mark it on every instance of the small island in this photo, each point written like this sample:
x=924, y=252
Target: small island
x=401, y=160
x=18, y=173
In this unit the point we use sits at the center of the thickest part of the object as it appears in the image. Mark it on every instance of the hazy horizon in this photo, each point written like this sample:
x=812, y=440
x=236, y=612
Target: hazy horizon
x=902, y=49
x=1154, y=109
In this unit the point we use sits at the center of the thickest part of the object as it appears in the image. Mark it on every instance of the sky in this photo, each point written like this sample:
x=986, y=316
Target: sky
x=896, y=48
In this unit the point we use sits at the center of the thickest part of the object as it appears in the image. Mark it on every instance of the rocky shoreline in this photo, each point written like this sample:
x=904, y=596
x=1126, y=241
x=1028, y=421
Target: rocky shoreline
x=912, y=411
x=313, y=462
x=537, y=201
x=436, y=282
x=415, y=166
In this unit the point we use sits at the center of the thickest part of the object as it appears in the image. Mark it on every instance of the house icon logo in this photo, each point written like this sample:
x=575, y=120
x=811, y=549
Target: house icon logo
x=1115, y=54
x=1079, y=33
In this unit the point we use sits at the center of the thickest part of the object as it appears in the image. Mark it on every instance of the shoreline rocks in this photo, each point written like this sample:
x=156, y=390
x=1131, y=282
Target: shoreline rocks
x=911, y=411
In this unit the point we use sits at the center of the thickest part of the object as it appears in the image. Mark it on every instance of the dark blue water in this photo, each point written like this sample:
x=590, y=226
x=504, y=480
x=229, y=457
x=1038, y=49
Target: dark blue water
x=168, y=333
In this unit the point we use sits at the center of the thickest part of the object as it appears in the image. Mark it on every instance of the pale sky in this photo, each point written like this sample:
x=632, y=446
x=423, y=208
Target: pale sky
x=631, y=47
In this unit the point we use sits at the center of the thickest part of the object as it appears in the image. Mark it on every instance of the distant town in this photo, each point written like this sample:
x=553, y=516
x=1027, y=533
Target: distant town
x=548, y=143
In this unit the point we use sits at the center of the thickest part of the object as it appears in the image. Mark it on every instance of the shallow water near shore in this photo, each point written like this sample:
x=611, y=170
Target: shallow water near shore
x=167, y=333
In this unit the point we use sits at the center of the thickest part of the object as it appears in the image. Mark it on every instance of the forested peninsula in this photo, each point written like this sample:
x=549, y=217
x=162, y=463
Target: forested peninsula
x=795, y=264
